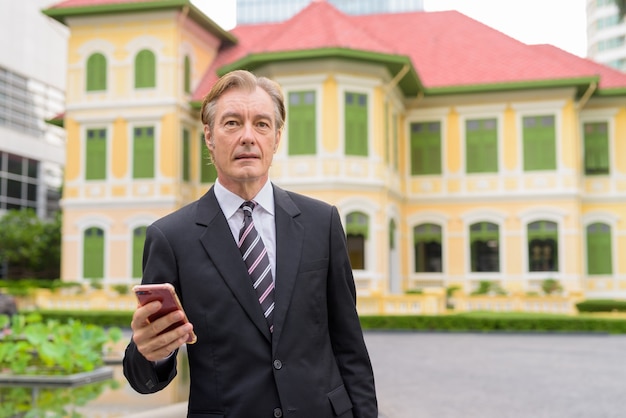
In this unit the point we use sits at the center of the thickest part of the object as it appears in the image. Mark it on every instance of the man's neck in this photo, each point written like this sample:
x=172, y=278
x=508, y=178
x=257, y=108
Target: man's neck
x=245, y=190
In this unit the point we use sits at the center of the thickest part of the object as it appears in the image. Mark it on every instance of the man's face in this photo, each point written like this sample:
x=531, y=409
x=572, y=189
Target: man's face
x=244, y=138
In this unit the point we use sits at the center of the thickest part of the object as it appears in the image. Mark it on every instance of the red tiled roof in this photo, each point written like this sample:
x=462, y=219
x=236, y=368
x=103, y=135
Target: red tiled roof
x=610, y=78
x=451, y=49
x=447, y=49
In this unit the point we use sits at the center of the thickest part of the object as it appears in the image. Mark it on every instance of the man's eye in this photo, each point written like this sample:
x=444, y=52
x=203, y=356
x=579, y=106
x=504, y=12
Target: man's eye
x=231, y=123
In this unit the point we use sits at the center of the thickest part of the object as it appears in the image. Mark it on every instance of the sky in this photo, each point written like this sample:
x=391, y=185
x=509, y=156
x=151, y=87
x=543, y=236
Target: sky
x=561, y=23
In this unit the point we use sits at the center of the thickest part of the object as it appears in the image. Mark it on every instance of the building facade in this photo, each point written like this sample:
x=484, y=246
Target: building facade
x=606, y=34
x=32, y=90
x=266, y=11
x=455, y=157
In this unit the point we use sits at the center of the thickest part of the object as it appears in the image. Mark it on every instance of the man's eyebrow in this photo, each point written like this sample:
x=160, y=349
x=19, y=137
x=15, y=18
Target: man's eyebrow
x=264, y=116
x=230, y=114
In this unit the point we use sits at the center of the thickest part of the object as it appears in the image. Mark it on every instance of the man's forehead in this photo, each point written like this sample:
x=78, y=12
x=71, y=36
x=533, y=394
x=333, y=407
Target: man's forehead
x=236, y=99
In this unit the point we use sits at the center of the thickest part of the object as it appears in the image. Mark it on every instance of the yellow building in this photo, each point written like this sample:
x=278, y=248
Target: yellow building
x=455, y=154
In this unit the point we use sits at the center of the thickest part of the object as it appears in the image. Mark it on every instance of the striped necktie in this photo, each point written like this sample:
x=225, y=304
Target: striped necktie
x=255, y=256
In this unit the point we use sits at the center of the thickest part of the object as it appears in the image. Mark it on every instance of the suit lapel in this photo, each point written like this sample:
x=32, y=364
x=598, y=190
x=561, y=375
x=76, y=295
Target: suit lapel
x=289, y=241
x=223, y=252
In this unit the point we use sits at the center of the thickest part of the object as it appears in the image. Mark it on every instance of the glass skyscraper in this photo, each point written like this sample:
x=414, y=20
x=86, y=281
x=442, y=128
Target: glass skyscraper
x=266, y=11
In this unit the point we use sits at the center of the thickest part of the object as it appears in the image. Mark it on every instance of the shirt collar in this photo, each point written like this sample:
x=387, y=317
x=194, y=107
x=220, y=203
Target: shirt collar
x=230, y=202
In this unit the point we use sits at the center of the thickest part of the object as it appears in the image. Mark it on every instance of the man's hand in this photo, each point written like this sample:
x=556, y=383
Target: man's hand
x=146, y=334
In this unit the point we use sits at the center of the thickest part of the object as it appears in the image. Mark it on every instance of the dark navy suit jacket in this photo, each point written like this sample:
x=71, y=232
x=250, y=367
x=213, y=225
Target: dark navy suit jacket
x=315, y=364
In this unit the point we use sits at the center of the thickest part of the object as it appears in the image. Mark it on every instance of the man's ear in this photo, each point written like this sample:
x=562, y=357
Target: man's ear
x=207, y=137
x=277, y=142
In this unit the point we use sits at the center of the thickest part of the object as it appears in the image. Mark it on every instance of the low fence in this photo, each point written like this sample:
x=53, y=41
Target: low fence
x=430, y=302
x=554, y=304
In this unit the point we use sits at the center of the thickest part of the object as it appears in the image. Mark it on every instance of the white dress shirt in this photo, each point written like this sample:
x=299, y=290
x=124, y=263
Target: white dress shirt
x=263, y=216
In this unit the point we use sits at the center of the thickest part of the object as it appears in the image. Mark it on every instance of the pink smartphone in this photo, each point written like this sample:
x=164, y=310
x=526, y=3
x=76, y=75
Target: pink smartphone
x=164, y=293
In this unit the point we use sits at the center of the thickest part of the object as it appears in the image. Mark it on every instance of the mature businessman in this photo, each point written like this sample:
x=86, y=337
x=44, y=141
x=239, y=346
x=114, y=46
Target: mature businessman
x=264, y=277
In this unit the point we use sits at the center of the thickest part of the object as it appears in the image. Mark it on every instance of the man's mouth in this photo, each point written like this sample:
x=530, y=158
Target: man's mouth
x=245, y=156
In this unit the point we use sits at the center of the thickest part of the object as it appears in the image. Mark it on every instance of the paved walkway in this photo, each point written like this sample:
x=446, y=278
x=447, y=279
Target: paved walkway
x=466, y=375
x=443, y=375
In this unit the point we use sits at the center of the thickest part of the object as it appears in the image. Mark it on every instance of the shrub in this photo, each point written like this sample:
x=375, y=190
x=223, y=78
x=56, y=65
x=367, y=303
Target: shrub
x=551, y=286
x=493, y=322
x=486, y=287
x=601, y=305
x=30, y=345
x=121, y=289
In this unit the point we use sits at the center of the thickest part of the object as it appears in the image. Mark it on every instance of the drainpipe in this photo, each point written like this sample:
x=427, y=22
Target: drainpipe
x=583, y=100
x=397, y=78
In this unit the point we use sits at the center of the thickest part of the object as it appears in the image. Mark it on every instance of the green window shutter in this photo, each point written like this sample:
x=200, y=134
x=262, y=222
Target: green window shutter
x=596, y=137
x=187, y=74
x=302, y=126
x=539, y=137
x=145, y=69
x=208, y=173
x=481, y=151
x=139, y=238
x=186, y=169
x=96, y=72
x=96, y=154
x=425, y=148
x=427, y=247
x=599, y=251
x=143, y=152
x=543, y=246
x=485, y=247
x=356, y=124
x=93, y=253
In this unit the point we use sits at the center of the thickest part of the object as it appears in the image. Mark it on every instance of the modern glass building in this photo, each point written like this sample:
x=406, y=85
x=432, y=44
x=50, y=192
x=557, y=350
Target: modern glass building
x=265, y=11
x=32, y=90
x=606, y=34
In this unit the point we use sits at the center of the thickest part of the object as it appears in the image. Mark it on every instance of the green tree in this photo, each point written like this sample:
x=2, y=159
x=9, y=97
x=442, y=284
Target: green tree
x=30, y=246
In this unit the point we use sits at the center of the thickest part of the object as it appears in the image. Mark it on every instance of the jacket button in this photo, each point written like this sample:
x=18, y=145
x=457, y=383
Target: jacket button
x=278, y=412
x=278, y=365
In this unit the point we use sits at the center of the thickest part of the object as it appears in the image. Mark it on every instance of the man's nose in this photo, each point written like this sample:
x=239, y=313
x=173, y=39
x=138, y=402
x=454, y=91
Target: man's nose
x=247, y=135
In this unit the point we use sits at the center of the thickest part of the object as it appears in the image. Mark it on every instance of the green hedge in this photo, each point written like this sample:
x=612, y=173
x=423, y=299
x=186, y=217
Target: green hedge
x=601, y=305
x=24, y=287
x=495, y=323
x=102, y=318
x=466, y=322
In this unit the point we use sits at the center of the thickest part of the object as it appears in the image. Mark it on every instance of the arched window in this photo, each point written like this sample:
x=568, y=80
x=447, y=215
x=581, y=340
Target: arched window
x=485, y=247
x=543, y=238
x=427, y=247
x=145, y=69
x=139, y=238
x=599, y=251
x=93, y=253
x=392, y=234
x=96, y=72
x=357, y=230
